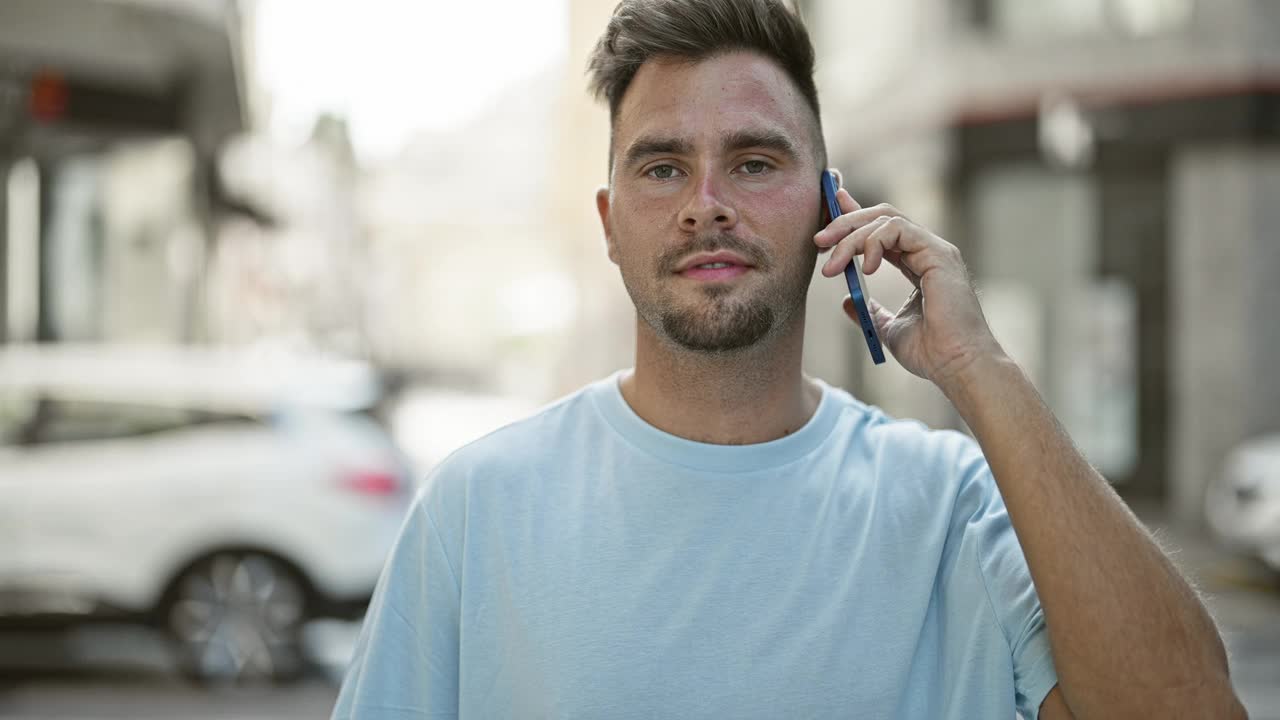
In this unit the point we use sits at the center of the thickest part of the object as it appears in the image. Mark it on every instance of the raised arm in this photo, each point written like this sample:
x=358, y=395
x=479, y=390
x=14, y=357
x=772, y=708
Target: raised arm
x=1130, y=637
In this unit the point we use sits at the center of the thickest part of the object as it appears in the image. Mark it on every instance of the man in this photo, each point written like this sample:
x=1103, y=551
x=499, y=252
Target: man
x=715, y=535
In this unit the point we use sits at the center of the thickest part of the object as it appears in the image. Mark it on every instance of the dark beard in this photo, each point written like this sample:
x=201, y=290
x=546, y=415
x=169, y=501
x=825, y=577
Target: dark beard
x=724, y=323
x=732, y=325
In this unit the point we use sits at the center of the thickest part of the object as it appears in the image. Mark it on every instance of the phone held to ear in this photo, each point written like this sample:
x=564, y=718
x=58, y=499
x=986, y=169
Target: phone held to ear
x=853, y=276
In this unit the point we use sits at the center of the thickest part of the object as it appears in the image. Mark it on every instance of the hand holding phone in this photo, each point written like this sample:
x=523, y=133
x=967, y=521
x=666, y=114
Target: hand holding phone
x=853, y=276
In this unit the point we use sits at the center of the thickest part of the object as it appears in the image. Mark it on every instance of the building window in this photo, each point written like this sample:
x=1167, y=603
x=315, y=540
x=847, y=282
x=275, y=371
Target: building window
x=1064, y=18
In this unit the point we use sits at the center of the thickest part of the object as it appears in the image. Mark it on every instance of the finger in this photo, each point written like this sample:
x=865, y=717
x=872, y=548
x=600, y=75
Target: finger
x=880, y=315
x=849, y=247
x=895, y=259
x=866, y=215
x=847, y=205
x=846, y=201
x=916, y=248
x=885, y=235
x=839, y=228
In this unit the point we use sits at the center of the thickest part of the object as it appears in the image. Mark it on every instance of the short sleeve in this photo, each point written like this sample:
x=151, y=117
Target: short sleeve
x=1007, y=580
x=405, y=665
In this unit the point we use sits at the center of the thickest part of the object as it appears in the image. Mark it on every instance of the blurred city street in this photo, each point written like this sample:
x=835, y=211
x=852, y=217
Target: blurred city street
x=120, y=671
x=146, y=698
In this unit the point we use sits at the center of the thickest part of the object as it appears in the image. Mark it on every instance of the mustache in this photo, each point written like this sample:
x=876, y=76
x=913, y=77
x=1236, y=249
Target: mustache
x=671, y=259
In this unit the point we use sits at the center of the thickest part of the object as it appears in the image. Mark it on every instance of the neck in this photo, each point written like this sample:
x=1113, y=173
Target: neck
x=748, y=396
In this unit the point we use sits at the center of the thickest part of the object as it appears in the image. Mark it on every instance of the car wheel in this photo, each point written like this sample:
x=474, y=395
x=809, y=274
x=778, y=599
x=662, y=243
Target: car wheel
x=236, y=619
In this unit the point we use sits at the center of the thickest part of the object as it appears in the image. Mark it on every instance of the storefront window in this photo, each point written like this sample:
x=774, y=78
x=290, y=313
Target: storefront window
x=1071, y=329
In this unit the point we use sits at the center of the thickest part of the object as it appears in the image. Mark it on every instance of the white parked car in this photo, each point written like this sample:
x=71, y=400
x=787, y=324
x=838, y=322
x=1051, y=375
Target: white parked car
x=1243, y=503
x=224, y=497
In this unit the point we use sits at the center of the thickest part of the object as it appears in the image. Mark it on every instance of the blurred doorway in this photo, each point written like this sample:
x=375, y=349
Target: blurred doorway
x=1133, y=244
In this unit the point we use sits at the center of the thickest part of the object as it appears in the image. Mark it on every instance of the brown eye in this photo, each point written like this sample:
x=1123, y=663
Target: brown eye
x=755, y=167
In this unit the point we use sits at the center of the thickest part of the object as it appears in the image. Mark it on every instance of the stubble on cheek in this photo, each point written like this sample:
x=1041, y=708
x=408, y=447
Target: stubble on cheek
x=711, y=319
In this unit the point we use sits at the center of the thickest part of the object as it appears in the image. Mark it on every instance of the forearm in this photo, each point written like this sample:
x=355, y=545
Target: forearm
x=1129, y=635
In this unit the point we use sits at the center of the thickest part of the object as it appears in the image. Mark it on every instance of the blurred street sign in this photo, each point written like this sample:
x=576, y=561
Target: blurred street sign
x=58, y=99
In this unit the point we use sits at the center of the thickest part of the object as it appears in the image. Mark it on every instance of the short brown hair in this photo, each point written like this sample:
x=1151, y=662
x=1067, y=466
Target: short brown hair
x=641, y=30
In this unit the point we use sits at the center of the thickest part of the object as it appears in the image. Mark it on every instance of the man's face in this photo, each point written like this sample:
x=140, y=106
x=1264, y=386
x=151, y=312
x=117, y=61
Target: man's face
x=713, y=199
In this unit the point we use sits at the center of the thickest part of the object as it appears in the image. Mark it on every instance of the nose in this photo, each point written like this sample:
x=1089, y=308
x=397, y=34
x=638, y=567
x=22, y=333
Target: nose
x=706, y=208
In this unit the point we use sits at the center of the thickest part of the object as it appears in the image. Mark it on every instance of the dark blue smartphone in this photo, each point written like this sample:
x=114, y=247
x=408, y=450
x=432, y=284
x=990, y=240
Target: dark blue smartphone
x=853, y=276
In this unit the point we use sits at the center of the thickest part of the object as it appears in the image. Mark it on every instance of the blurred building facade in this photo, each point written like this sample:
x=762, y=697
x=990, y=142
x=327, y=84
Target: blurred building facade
x=1109, y=169
x=111, y=117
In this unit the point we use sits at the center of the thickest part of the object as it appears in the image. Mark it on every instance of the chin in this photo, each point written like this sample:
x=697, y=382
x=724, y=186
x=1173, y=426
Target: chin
x=718, y=330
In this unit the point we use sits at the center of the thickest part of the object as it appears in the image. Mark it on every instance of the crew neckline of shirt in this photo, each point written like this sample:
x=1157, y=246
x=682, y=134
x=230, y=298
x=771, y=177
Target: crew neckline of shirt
x=607, y=397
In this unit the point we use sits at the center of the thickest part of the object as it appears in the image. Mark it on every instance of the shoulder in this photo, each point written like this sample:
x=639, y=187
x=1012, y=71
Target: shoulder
x=514, y=445
x=909, y=463
x=517, y=450
x=904, y=442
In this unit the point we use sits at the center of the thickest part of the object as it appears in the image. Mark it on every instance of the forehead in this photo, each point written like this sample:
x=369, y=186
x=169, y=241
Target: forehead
x=706, y=99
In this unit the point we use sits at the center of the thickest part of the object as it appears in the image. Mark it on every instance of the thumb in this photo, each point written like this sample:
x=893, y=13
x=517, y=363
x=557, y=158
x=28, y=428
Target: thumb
x=879, y=315
x=847, y=306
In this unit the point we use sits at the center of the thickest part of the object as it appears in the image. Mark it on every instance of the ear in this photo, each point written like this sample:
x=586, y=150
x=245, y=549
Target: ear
x=602, y=207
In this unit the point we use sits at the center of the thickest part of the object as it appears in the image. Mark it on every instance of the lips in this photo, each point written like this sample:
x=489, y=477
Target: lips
x=711, y=262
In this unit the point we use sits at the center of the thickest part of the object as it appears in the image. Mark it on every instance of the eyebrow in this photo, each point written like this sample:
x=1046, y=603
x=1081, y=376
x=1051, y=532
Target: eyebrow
x=764, y=139
x=649, y=146
x=645, y=147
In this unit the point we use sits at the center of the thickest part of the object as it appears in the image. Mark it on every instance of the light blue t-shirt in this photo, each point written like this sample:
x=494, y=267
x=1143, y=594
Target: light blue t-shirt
x=583, y=564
